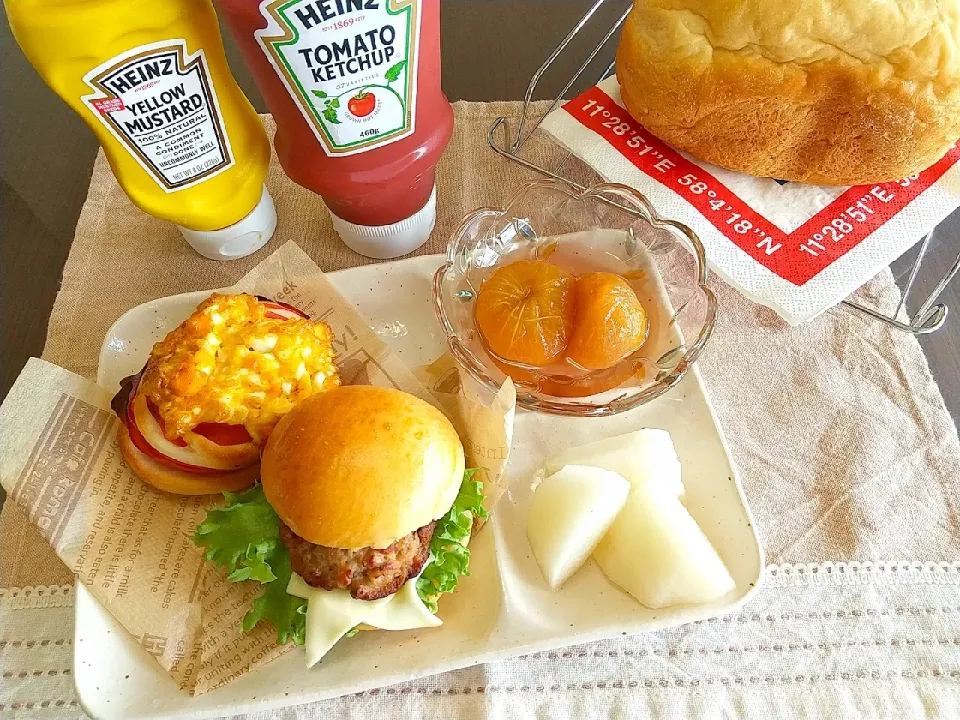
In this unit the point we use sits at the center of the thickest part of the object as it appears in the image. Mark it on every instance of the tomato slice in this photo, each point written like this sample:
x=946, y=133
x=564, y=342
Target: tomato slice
x=223, y=434
x=140, y=442
x=220, y=433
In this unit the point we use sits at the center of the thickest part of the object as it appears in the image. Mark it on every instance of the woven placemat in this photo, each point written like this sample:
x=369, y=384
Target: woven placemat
x=847, y=454
x=816, y=415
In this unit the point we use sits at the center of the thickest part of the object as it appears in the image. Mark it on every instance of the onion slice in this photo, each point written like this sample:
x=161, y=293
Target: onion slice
x=198, y=453
x=136, y=437
x=281, y=311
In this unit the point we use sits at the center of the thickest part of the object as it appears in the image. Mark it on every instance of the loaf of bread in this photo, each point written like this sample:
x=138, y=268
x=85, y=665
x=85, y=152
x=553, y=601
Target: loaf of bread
x=831, y=92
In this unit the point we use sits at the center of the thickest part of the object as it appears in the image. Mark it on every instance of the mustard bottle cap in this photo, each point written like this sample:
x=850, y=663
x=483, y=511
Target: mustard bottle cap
x=240, y=239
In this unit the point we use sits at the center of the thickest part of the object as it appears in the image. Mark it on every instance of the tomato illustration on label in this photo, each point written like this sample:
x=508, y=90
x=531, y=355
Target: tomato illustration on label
x=362, y=104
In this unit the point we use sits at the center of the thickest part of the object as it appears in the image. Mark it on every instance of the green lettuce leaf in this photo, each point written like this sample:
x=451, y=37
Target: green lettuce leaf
x=243, y=538
x=449, y=556
x=241, y=535
x=288, y=614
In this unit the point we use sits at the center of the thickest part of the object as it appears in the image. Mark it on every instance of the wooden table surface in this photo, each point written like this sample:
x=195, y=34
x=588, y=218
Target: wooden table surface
x=490, y=50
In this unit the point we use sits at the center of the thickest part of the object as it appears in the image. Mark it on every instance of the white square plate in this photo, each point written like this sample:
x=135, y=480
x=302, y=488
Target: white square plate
x=504, y=608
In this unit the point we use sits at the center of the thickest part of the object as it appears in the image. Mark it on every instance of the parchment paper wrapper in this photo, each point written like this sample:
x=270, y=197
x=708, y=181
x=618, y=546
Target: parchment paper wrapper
x=483, y=420
x=131, y=545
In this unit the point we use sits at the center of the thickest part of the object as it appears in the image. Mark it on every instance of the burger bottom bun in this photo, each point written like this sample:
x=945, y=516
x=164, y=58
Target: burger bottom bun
x=180, y=482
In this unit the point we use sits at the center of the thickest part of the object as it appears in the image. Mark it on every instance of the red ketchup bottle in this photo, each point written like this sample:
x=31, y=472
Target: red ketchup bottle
x=354, y=87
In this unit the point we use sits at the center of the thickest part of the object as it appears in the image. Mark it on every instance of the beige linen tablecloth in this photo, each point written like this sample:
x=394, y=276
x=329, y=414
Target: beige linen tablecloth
x=848, y=458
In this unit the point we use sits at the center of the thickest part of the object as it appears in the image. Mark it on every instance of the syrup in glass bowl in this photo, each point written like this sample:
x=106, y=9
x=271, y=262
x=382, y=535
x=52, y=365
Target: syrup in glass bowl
x=604, y=294
x=604, y=229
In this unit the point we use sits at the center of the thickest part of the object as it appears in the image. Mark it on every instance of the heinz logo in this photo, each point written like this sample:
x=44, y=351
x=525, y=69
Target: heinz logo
x=137, y=75
x=319, y=11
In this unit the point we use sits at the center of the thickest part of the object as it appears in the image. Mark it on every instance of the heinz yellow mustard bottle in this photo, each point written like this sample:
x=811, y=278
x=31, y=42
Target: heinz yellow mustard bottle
x=151, y=80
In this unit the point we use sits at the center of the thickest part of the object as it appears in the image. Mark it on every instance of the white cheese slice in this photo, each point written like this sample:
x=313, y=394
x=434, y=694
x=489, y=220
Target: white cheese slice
x=298, y=587
x=405, y=611
x=331, y=613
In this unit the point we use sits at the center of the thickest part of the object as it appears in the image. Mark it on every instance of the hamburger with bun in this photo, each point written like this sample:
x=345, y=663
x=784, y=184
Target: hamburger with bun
x=194, y=420
x=361, y=519
x=830, y=92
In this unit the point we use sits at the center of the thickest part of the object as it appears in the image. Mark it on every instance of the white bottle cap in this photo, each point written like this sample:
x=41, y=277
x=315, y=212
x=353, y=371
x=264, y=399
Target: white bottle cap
x=240, y=239
x=389, y=241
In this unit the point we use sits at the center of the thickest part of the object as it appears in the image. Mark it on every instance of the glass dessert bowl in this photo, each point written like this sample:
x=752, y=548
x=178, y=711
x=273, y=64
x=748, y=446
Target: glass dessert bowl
x=588, y=300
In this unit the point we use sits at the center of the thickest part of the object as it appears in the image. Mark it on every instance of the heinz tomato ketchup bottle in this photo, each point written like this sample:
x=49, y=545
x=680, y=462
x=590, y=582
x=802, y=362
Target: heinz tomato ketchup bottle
x=151, y=80
x=354, y=86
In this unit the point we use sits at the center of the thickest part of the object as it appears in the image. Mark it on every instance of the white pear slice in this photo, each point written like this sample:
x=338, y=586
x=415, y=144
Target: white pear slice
x=643, y=457
x=656, y=552
x=570, y=512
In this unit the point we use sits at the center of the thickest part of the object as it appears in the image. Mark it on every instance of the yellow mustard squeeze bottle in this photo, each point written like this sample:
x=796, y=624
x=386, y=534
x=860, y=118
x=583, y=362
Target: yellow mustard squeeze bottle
x=151, y=80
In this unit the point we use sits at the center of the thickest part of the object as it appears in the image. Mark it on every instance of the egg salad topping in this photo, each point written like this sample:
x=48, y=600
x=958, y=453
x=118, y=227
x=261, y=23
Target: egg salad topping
x=229, y=363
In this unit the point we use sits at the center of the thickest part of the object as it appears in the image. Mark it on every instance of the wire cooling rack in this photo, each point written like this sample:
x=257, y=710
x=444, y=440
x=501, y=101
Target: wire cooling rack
x=510, y=143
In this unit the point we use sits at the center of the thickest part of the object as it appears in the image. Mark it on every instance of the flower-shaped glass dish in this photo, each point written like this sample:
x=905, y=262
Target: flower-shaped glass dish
x=606, y=227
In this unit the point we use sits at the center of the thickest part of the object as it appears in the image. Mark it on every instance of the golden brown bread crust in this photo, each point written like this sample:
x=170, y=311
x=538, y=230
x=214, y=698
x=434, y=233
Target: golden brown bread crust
x=832, y=92
x=179, y=482
x=361, y=466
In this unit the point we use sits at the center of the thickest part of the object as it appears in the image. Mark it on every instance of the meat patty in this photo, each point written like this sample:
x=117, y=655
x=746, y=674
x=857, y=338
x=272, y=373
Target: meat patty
x=368, y=573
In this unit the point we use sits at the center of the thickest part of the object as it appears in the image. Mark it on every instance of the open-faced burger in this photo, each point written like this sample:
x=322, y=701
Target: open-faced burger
x=194, y=419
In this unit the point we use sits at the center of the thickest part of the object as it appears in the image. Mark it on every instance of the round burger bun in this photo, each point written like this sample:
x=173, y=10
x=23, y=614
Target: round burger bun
x=179, y=482
x=836, y=92
x=361, y=466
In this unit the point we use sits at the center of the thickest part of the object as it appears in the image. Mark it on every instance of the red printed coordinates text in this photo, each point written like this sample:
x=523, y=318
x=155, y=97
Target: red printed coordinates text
x=797, y=256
